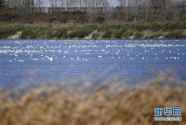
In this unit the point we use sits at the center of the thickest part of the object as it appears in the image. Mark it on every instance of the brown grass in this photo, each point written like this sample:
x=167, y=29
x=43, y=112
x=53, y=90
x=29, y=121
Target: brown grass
x=58, y=104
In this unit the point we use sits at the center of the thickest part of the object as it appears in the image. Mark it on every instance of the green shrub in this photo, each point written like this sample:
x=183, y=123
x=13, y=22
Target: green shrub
x=138, y=35
x=84, y=31
x=32, y=31
x=65, y=35
x=42, y=33
x=170, y=26
x=61, y=32
x=158, y=35
x=125, y=26
x=116, y=25
x=72, y=34
x=181, y=25
x=25, y=33
x=104, y=27
x=34, y=34
x=119, y=33
x=95, y=35
x=155, y=36
x=127, y=34
x=56, y=33
x=173, y=26
x=51, y=33
x=92, y=26
x=119, y=30
x=139, y=26
x=81, y=32
x=175, y=35
x=113, y=26
x=28, y=33
x=8, y=30
x=156, y=27
x=107, y=34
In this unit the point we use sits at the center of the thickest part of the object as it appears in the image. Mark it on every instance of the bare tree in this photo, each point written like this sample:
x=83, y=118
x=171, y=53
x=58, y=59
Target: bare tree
x=165, y=8
x=155, y=5
x=94, y=8
x=183, y=5
x=54, y=4
x=124, y=4
x=64, y=4
x=175, y=7
x=2, y=3
x=26, y=3
x=109, y=10
x=147, y=10
x=91, y=10
x=21, y=6
x=38, y=3
x=134, y=4
x=71, y=3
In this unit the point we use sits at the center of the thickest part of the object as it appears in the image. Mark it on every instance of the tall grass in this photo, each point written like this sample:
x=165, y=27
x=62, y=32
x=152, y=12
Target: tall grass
x=112, y=29
x=7, y=30
x=95, y=35
x=175, y=34
x=138, y=35
x=83, y=103
x=107, y=34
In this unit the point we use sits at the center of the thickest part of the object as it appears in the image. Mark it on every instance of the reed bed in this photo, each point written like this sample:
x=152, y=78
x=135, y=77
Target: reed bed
x=85, y=103
x=106, y=30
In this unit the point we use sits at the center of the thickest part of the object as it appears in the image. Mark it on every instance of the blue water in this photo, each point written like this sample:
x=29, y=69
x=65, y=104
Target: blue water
x=24, y=61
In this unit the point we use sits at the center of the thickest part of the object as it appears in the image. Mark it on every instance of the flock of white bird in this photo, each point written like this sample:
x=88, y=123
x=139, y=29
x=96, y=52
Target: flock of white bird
x=80, y=50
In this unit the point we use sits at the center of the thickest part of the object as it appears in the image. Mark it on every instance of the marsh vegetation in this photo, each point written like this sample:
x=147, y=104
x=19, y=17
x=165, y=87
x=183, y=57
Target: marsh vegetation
x=107, y=30
x=82, y=103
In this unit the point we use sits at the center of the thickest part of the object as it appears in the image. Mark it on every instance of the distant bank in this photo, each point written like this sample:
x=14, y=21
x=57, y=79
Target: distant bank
x=106, y=30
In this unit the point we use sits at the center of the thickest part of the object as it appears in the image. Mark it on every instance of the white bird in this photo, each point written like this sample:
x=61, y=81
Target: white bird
x=49, y=58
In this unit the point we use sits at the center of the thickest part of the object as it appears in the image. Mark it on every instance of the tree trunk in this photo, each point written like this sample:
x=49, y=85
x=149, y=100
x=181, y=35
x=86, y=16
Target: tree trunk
x=126, y=14
x=155, y=8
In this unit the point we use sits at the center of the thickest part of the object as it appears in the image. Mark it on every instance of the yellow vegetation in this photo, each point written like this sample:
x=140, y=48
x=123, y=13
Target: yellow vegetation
x=81, y=104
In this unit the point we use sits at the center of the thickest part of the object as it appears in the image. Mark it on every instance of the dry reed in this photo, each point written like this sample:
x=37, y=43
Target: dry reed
x=87, y=104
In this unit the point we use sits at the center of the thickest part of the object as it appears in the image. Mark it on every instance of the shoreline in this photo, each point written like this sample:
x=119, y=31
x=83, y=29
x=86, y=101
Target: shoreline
x=89, y=31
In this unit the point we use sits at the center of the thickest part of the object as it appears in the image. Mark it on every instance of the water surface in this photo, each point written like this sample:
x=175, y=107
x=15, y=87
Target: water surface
x=49, y=59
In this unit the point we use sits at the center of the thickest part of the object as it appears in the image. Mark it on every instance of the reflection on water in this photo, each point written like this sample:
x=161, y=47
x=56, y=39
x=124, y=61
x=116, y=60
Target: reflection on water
x=135, y=57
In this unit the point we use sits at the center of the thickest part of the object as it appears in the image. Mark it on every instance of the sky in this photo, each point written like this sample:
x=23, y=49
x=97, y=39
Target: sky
x=113, y=2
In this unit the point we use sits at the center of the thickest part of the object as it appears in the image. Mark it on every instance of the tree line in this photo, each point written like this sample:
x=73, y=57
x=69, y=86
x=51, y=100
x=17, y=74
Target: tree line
x=2, y=3
x=167, y=8
x=127, y=9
